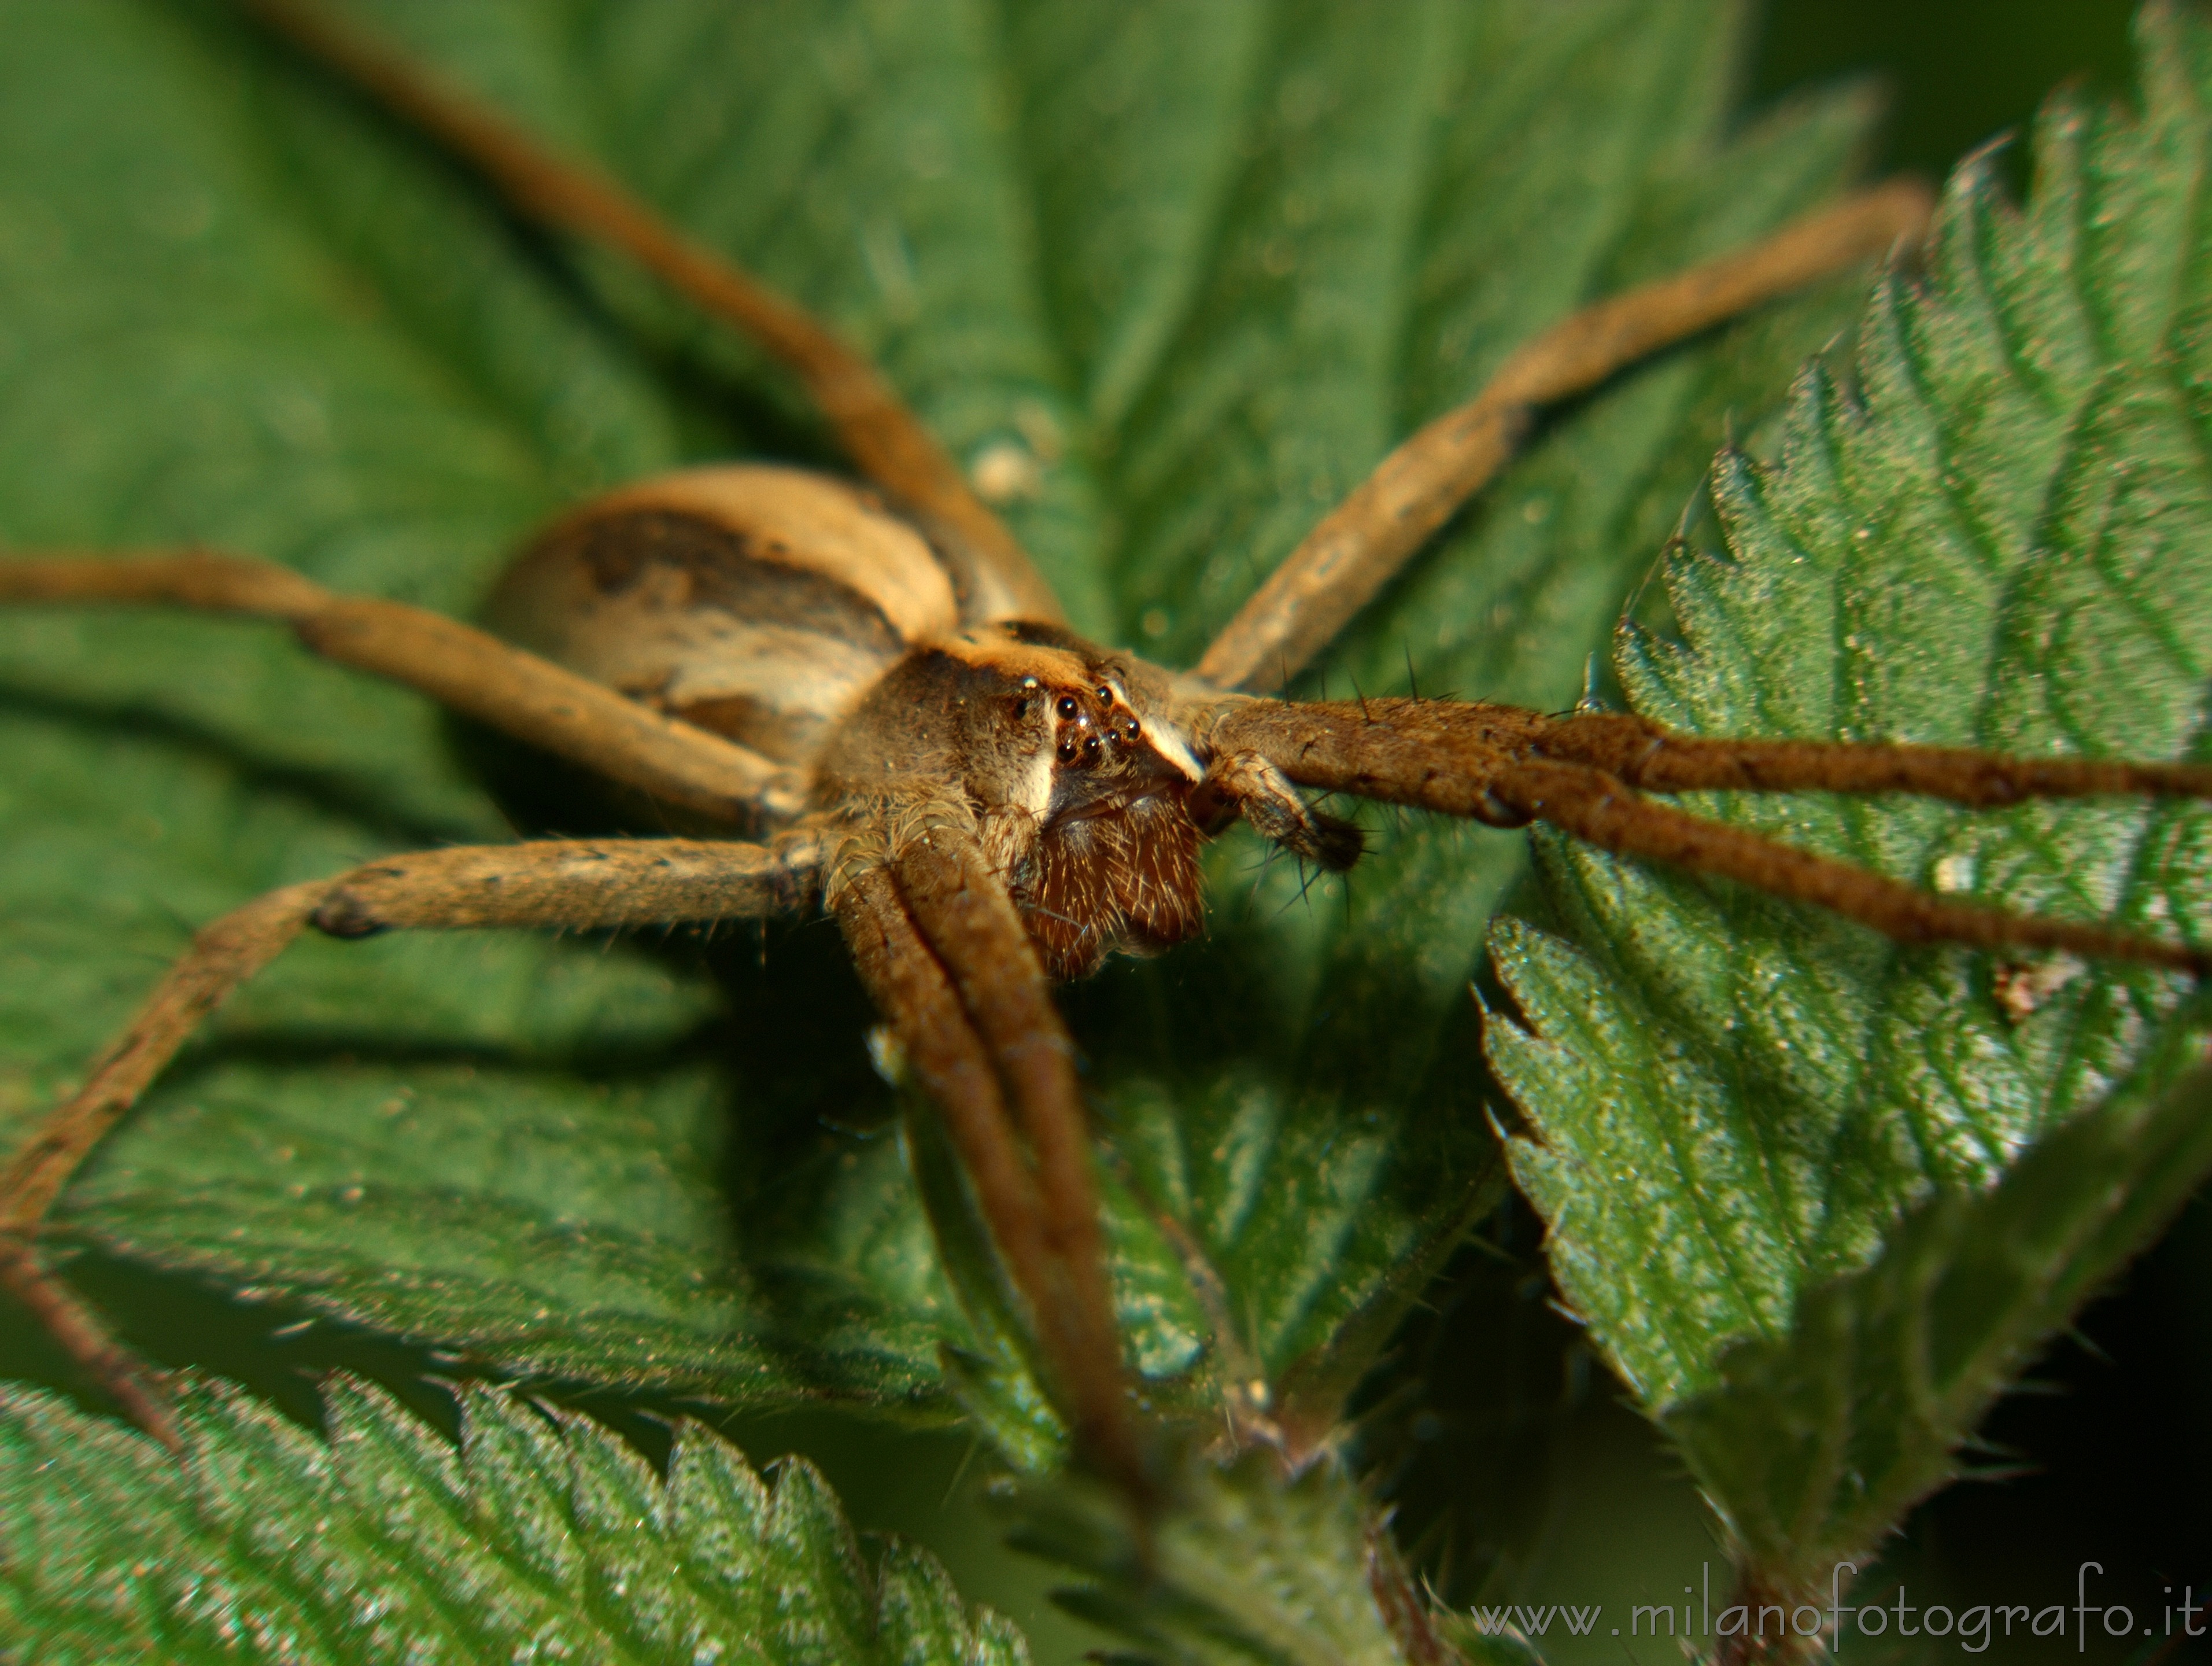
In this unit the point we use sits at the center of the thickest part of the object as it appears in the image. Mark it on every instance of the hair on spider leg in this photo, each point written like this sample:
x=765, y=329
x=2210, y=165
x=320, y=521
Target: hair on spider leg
x=1357, y=694
x=1587, y=700
x=1309, y=876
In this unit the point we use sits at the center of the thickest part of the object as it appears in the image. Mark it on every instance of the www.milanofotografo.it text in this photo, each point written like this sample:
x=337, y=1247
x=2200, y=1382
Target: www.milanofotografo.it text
x=1973, y=1629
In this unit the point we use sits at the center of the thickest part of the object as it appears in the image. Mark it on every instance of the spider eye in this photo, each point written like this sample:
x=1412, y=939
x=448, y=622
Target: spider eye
x=1106, y=693
x=1068, y=707
x=1021, y=710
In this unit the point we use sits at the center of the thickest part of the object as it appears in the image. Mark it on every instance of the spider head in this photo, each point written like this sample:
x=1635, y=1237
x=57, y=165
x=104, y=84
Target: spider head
x=1104, y=754
x=1024, y=718
x=1079, y=781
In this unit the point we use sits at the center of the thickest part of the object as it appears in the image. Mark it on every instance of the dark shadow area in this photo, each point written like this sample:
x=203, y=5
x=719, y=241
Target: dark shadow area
x=2108, y=1436
x=279, y=1349
x=1464, y=1432
x=1958, y=73
x=1480, y=1429
x=287, y=1048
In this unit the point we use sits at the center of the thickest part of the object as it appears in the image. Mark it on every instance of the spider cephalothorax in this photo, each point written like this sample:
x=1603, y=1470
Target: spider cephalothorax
x=1078, y=782
x=876, y=709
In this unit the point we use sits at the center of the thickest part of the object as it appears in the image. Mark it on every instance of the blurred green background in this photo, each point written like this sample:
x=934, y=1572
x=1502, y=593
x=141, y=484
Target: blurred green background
x=1569, y=1487
x=1957, y=71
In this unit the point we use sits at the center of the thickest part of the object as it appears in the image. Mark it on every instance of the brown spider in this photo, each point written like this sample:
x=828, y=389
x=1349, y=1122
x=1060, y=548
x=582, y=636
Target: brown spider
x=870, y=696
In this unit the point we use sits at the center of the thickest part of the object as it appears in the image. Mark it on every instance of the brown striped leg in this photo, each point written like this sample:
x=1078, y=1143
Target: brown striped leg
x=464, y=668
x=1444, y=755
x=1488, y=763
x=912, y=992
x=946, y=957
x=1645, y=755
x=1614, y=817
x=576, y=884
x=1364, y=542
x=885, y=439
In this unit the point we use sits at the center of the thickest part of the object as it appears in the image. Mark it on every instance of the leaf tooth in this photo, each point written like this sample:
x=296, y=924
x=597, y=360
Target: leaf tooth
x=816, y=1571
x=918, y=1611
x=718, y=1505
x=408, y=1488
x=520, y=1476
x=636, y=1581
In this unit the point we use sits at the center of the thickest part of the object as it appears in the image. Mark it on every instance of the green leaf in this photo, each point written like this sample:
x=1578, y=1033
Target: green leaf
x=543, y=1536
x=1815, y=1442
x=2001, y=538
x=1250, y=1566
x=236, y=306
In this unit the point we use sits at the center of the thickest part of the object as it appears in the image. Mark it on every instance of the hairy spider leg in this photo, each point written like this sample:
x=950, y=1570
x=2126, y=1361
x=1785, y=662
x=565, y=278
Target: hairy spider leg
x=1601, y=811
x=223, y=955
x=1581, y=773
x=1388, y=747
x=1646, y=755
x=942, y=950
x=971, y=920
x=574, y=884
x=1339, y=566
x=469, y=669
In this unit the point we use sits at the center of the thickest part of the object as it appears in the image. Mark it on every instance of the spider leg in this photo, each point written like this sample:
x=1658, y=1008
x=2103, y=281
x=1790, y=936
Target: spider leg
x=945, y=955
x=577, y=884
x=1443, y=754
x=1608, y=813
x=1263, y=795
x=223, y=955
x=885, y=439
x=1646, y=755
x=1490, y=763
x=462, y=667
x=1359, y=545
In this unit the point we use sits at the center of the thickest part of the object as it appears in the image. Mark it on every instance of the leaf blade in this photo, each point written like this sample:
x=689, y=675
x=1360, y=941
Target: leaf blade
x=542, y=1532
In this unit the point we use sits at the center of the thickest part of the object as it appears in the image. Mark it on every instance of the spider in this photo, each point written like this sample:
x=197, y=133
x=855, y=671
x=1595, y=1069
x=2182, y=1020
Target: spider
x=866, y=700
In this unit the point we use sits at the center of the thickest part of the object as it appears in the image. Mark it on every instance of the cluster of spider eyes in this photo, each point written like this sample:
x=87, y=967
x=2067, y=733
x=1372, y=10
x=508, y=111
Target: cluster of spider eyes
x=1069, y=710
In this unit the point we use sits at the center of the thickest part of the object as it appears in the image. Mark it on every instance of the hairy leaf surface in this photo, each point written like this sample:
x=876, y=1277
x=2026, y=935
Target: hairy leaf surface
x=1249, y=1567
x=543, y=1536
x=1817, y=1441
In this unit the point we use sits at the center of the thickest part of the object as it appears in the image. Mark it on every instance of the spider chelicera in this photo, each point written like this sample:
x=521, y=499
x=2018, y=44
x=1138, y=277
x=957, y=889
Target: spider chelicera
x=871, y=699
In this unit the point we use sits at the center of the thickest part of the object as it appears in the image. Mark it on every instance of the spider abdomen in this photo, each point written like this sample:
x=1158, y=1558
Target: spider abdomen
x=760, y=603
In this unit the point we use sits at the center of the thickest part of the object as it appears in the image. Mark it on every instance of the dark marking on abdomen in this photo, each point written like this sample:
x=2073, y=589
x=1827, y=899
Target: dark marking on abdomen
x=725, y=572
